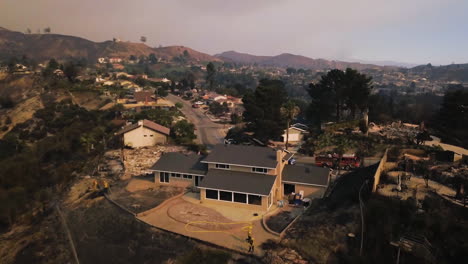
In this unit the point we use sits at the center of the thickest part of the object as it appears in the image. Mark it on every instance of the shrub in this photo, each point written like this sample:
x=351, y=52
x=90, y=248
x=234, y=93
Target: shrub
x=198, y=255
x=6, y=102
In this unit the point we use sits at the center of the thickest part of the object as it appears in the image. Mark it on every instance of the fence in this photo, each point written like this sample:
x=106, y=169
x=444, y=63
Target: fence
x=379, y=171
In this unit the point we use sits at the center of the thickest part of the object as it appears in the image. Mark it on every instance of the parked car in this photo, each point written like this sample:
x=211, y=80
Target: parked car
x=195, y=106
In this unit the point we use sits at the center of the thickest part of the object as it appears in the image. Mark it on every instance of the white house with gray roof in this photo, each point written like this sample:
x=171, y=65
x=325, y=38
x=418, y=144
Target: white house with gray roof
x=241, y=176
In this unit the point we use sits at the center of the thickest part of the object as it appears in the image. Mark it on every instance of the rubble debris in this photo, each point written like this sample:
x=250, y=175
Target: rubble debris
x=138, y=160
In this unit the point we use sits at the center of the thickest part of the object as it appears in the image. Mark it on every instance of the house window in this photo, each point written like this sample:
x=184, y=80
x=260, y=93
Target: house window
x=225, y=196
x=175, y=175
x=222, y=166
x=259, y=170
x=211, y=194
x=186, y=176
x=255, y=199
x=240, y=197
x=151, y=135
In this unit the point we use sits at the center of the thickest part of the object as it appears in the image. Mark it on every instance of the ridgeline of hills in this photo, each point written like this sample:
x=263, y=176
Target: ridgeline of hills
x=452, y=72
x=45, y=46
x=295, y=61
x=41, y=47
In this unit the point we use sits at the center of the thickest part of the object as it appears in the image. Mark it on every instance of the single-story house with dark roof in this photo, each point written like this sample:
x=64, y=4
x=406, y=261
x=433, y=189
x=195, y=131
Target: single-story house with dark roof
x=174, y=167
x=143, y=134
x=311, y=180
x=240, y=176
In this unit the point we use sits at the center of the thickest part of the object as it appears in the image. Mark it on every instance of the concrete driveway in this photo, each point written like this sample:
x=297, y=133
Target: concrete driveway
x=208, y=132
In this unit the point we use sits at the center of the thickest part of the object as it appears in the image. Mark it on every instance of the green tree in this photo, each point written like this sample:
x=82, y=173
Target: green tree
x=263, y=109
x=210, y=75
x=218, y=109
x=71, y=71
x=235, y=118
x=53, y=64
x=290, y=70
x=337, y=91
x=179, y=105
x=183, y=132
x=289, y=111
x=452, y=117
x=161, y=92
x=47, y=30
x=357, y=88
x=143, y=39
x=6, y=102
x=152, y=58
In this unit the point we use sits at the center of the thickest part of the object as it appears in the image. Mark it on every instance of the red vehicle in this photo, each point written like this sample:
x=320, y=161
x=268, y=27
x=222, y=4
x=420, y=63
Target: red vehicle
x=195, y=106
x=347, y=161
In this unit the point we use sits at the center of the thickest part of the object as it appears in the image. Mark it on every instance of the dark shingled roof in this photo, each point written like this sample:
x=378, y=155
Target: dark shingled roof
x=243, y=155
x=237, y=181
x=178, y=162
x=148, y=124
x=306, y=174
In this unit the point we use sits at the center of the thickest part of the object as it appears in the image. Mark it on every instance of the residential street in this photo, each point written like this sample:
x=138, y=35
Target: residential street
x=208, y=132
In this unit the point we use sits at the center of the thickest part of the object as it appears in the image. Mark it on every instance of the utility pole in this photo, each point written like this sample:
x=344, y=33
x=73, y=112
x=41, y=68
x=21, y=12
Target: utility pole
x=361, y=205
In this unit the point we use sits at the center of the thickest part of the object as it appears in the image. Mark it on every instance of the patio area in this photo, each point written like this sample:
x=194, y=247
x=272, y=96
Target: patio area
x=225, y=226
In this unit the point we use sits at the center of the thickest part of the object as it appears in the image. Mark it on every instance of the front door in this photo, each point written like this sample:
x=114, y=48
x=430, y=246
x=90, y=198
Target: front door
x=163, y=177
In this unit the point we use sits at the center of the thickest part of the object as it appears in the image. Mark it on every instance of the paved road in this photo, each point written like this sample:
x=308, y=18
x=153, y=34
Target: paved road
x=208, y=132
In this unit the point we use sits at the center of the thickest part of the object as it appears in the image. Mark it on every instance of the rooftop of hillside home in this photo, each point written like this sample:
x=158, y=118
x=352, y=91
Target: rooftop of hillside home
x=306, y=174
x=237, y=181
x=250, y=156
x=145, y=123
x=180, y=163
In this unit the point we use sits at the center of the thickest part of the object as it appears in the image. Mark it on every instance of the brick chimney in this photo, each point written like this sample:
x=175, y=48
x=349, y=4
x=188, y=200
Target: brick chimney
x=279, y=174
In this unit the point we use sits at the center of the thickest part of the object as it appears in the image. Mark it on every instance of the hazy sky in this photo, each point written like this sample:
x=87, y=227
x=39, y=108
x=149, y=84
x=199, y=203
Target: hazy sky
x=416, y=31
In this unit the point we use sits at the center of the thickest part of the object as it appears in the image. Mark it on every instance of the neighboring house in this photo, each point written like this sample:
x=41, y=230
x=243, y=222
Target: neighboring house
x=143, y=134
x=108, y=83
x=241, y=176
x=164, y=80
x=115, y=60
x=59, y=73
x=144, y=97
x=296, y=133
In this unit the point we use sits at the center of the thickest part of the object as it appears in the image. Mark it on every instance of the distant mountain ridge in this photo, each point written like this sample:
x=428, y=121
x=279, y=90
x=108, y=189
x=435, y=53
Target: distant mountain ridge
x=295, y=61
x=46, y=46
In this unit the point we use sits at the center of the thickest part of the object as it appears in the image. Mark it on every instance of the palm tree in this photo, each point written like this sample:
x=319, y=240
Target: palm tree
x=289, y=110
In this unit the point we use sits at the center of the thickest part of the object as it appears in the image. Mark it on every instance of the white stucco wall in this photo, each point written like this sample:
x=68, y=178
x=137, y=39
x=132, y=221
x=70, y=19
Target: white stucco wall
x=143, y=137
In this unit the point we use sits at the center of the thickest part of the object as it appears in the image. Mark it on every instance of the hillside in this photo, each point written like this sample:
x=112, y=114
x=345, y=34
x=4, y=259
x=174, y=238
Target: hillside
x=291, y=60
x=173, y=51
x=45, y=46
x=453, y=72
